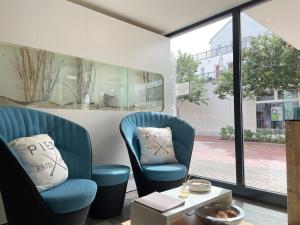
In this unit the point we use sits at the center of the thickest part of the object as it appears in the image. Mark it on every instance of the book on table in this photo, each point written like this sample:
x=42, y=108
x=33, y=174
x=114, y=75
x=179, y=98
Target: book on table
x=160, y=202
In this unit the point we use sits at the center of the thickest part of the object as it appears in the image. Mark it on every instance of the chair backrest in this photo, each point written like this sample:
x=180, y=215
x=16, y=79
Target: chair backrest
x=183, y=134
x=72, y=140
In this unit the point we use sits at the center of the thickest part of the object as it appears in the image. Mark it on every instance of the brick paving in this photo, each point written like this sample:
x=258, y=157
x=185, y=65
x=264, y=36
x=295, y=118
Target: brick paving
x=265, y=163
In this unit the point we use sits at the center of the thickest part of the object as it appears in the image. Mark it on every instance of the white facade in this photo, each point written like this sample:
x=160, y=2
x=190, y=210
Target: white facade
x=209, y=119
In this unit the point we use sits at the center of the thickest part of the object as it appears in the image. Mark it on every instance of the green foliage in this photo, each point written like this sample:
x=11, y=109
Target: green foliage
x=224, y=85
x=186, y=72
x=263, y=135
x=186, y=67
x=223, y=133
x=278, y=137
x=248, y=135
x=227, y=132
x=268, y=64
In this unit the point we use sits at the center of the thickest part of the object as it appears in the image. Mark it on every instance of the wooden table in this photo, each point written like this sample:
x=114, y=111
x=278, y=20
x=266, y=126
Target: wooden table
x=188, y=220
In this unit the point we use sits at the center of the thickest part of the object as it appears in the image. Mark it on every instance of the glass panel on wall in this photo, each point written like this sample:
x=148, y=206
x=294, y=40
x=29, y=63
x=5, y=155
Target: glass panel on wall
x=145, y=91
x=38, y=78
x=270, y=78
x=203, y=64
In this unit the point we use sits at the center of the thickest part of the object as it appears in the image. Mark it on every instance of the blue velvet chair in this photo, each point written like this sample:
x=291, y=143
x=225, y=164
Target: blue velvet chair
x=65, y=204
x=150, y=178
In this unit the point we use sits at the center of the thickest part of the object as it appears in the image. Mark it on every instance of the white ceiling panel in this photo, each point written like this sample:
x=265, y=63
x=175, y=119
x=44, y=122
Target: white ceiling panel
x=160, y=16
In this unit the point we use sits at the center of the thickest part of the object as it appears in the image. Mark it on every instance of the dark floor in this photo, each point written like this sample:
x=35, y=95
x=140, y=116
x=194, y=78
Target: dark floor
x=256, y=213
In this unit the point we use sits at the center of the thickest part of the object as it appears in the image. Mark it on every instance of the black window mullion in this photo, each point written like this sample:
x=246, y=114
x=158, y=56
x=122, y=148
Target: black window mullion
x=238, y=101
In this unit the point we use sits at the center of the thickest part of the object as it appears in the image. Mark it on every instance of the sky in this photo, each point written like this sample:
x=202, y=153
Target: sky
x=197, y=41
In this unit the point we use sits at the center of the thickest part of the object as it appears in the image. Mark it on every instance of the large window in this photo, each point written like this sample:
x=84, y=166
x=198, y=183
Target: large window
x=203, y=58
x=270, y=75
x=249, y=88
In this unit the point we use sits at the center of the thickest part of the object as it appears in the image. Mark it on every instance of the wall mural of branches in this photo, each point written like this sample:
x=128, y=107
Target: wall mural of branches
x=38, y=71
x=29, y=64
x=85, y=82
x=51, y=75
x=39, y=78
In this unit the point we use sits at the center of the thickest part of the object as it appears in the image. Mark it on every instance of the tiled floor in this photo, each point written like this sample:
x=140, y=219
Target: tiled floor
x=258, y=214
x=265, y=163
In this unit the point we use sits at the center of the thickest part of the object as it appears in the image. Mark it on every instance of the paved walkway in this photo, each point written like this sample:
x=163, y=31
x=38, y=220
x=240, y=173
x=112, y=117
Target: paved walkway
x=265, y=163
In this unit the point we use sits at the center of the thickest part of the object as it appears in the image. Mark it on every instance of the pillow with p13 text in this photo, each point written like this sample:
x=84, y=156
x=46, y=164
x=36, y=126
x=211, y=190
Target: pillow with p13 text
x=41, y=160
x=156, y=145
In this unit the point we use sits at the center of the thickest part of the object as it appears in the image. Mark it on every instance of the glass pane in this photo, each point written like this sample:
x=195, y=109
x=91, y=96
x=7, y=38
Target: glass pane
x=204, y=69
x=145, y=91
x=270, y=77
x=38, y=78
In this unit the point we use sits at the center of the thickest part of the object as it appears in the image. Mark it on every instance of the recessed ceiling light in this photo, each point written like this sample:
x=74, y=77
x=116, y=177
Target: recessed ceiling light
x=269, y=20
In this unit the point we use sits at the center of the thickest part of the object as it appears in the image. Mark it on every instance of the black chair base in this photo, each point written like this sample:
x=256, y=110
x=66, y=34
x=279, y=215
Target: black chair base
x=73, y=218
x=109, y=201
x=147, y=186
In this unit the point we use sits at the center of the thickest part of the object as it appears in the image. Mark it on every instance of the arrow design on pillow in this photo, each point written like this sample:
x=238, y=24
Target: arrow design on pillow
x=55, y=163
x=161, y=146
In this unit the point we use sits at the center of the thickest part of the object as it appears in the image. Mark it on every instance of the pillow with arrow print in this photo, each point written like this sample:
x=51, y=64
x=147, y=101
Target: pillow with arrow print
x=156, y=145
x=41, y=160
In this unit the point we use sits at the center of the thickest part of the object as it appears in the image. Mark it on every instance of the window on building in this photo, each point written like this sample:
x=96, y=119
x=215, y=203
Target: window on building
x=268, y=95
x=287, y=94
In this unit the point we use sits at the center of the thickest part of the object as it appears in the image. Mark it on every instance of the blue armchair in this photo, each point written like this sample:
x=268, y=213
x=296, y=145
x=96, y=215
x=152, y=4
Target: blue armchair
x=65, y=204
x=150, y=178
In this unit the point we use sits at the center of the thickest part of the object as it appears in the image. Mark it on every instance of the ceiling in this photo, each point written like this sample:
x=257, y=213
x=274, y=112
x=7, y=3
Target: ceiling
x=281, y=17
x=160, y=16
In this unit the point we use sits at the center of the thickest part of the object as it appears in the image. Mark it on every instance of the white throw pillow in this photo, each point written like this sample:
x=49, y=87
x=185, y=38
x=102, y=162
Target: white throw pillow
x=156, y=145
x=41, y=160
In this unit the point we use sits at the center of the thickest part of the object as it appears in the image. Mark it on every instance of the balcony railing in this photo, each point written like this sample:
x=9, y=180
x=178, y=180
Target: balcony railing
x=225, y=49
x=220, y=51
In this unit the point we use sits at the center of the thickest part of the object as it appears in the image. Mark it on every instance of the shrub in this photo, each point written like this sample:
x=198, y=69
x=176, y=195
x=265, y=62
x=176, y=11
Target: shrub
x=248, y=135
x=230, y=131
x=264, y=135
x=278, y=137
x=224, y=134
x=227, y=132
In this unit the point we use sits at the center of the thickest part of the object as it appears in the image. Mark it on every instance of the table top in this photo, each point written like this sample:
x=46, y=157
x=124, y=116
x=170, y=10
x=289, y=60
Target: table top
x=196, y=199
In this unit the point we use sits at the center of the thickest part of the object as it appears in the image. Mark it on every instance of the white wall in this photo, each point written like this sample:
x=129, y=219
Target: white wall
x=209, y=119
x=63, y=27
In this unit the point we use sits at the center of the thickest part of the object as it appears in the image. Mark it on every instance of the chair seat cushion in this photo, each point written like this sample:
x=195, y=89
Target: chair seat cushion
x=165, y=172
x=71, y=195
x=110, y=175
